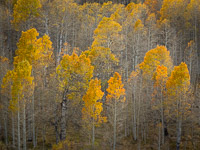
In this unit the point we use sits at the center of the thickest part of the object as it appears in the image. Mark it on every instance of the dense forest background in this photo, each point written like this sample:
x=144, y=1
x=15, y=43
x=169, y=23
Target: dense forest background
x=121, y=74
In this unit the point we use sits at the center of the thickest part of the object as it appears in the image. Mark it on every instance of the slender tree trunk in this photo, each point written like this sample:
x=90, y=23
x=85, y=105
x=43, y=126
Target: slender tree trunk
x=139, y=107
x=178, y=140
x=115, y=124
x=56, y=127
x=162, y=119
x=13, y=129
x=46, y=25
x=179, y=124
x=5, y=128
x=33, y=120
x=18, y=125
x=93, y=133
x=159, y=137
x=134, y=115
x=24, y=127
x=63, y=117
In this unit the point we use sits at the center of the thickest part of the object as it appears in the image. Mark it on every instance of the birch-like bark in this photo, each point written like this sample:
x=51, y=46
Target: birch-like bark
x=18, y=126
x=162, y=118
x=33, y=120
x=63, y=117
x=159, y=137
x=24, y=126
x=5, y=128
x=134, y=115
x=13, y=130
x=93, y=132
x=114, y=127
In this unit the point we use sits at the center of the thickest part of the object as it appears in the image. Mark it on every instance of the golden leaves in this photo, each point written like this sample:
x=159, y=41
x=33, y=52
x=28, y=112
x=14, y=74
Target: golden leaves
x=160, y=76
x=153, y=58
x=24, y=9
x=74, y=73
x=106, y=30
x=179, y=81
x=115, y=88
x=92, y=106
x=32, y=49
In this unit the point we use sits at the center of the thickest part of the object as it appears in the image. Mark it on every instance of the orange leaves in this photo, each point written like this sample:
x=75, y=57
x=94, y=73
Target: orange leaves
x=155, y=57
x=92, y=106
x=179, y=81
x=3, y=59
x=115, y=87
x=160, y=76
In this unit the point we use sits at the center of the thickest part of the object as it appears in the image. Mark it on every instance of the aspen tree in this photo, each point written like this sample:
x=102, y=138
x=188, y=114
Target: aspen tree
x=115, y=96
x=93, y=106
x=74, y=74
x=177, y=87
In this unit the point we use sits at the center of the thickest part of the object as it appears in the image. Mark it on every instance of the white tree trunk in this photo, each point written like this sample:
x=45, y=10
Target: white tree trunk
x=13, y=129
x=63, y=117
x=24, y=127
x=114, y=127
x=18, y=126
x=93, y=133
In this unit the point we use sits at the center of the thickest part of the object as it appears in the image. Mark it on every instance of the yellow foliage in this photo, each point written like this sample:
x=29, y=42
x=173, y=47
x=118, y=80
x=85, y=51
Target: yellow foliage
x=3, y=59
x=20, y=81
x=179, y=81
x=160, y=76
x=74, y=73
x=173, y=9
x=152, y=4
x=106, y=30
x=138, y=25
x=92, y=106
x=153, y=58
x=115, y=88
x=192, y=9
x=23, y=9
x=32, y=49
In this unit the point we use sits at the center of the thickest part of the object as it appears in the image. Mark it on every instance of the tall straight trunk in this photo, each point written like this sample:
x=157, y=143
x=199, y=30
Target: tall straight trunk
x=126, y=52
x=134, y=115
x=13, y=130
x=139, y=107
x=6, y=128
x=33, y=120
x=29, y=122
x=115, y=124
x=60, y=44
x=178, y=140
x=159, y=137
x=46, y=25
x=24, y=126
x=179, y=124
x=56, y=126
x=18, y=126
x=93, y=133
x=162, y=118
x=63, y=117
